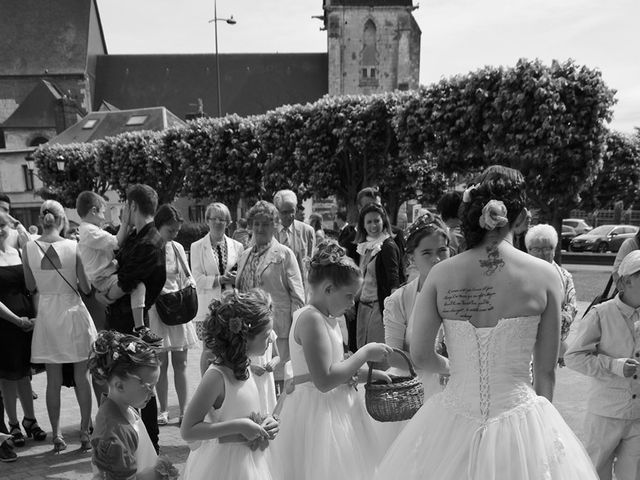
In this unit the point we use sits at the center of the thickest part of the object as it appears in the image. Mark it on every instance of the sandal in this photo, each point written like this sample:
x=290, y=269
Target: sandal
x=59, y=444
x=32, y=429
x=16, y=434
x=163, y=418
x=85, y=442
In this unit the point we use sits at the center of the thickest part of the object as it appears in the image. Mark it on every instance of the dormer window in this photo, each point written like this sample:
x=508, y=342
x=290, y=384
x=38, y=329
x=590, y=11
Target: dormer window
x=137, y=120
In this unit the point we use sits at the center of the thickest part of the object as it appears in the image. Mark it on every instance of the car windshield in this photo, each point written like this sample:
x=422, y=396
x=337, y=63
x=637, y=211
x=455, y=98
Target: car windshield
x=601, y=230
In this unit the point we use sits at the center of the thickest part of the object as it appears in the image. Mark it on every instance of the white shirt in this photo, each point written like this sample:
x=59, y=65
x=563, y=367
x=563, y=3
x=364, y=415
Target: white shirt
x=96, y=248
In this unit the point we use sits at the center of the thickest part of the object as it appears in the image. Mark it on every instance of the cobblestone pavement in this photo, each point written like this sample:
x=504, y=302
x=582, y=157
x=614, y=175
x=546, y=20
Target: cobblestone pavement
x=38, y=462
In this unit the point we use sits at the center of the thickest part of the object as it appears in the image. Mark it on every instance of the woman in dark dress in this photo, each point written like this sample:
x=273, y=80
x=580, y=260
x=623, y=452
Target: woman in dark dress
x=16, y=325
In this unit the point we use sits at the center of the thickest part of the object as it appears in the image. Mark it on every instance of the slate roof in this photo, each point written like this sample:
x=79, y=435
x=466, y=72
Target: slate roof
x=52, y=35
x=38, y=110
x=369, y=3
x=111, y=123
x=251, y=83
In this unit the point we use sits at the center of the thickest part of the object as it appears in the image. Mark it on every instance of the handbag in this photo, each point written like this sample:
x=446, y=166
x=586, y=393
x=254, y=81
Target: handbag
x=177, y=308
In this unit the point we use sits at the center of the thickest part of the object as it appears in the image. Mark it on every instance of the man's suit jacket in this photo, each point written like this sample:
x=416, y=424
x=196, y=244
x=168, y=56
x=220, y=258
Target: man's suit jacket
x=302, y=242
x=278, y=274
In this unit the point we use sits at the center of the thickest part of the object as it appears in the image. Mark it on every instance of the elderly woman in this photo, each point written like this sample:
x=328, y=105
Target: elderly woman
x=214, y=259
x=273, y=267
x=541, y=242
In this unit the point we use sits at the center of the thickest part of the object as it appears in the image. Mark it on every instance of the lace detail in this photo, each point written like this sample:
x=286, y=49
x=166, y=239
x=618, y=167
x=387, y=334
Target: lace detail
x=484, y=339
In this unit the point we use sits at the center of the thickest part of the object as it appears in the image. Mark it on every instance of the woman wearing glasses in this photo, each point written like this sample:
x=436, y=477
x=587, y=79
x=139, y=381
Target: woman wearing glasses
x=214, y=260
x=541, y=242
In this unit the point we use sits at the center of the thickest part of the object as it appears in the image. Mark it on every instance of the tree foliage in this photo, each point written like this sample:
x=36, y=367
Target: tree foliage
x=78, y=175
x=221, y=159
x=619, y=179
x=547, y=121
x=142, y=157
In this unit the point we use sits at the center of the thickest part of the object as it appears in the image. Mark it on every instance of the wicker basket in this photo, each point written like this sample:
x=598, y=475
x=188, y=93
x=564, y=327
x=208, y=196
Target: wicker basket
x=396, y=401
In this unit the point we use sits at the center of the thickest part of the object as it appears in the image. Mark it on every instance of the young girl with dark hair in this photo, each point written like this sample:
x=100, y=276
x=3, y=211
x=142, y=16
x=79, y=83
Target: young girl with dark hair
x=326, y=431
x=121, y=445
x=224, y=420
x=381, y=267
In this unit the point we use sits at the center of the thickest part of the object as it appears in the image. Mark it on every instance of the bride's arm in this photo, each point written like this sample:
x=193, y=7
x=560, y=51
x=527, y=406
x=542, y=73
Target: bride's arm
x=426, y=324
x=545, y=353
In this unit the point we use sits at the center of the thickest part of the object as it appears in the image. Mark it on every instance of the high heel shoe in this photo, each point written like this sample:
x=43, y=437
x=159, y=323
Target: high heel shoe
x=17, y=438
x=32, y=429
x=59, y=444
x=85, y=442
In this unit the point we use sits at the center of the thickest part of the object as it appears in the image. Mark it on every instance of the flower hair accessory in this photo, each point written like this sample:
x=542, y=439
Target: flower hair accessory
x=466, y=196
x=235, y=325
x=494, y=215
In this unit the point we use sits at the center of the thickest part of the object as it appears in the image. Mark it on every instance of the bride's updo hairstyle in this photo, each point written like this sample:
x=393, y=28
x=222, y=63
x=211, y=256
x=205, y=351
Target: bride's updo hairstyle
x=498, y=183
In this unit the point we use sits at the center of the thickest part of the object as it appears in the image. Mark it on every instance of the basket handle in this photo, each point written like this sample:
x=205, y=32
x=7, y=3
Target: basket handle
x=412, y=370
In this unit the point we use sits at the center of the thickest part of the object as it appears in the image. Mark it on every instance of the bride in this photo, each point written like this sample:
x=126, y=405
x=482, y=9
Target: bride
x=500, y=307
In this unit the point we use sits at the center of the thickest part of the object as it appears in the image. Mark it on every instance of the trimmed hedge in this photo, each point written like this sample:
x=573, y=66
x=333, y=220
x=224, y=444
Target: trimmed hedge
x=547, y=121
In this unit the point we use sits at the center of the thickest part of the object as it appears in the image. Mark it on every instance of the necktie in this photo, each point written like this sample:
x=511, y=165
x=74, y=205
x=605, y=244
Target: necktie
x=285, y=237
x=220, y=260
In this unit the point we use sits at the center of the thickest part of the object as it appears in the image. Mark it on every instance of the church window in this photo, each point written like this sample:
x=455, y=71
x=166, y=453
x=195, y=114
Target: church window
x=369, y=55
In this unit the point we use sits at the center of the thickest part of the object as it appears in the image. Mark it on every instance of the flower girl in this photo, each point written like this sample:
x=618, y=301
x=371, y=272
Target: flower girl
x=325, y=430
x=230, y=433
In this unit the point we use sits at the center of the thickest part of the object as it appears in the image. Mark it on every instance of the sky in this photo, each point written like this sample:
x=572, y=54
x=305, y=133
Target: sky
x=458, y=36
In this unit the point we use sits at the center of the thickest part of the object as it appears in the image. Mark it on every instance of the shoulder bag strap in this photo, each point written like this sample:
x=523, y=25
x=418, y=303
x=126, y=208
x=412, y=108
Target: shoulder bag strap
x=56, y=268
x=180, y=260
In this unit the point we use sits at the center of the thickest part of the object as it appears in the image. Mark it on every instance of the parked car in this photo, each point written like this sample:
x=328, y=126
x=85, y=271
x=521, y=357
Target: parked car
x=568, y=234
x=579, y=225
x=603, y=238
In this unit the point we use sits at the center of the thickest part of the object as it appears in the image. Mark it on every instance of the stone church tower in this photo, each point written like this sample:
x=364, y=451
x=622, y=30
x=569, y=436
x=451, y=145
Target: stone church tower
x=373, y=45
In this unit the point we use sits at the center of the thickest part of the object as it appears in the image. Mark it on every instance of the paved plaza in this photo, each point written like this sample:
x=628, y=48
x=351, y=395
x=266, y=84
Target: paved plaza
x=38, y=462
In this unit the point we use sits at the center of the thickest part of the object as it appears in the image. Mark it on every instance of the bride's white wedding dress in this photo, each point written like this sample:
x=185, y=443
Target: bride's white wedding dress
x=488, y=423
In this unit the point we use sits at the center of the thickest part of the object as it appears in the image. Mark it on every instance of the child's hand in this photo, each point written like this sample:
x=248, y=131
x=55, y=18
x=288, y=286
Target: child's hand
x=630, y=367
x=271, y=426
x=380, y=376
x=272, y=364
x=251, y=430
x=376, y=352
x=103, y=299
x=257, y=369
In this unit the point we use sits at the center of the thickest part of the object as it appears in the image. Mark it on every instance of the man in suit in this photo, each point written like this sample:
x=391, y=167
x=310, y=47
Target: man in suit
x=296, y=235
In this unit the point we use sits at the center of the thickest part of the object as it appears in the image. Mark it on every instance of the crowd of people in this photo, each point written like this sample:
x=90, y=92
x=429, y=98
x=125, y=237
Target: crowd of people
x=290, y=322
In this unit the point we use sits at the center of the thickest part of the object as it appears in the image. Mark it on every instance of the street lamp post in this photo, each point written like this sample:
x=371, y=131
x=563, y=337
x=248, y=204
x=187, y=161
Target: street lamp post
x=215, y=20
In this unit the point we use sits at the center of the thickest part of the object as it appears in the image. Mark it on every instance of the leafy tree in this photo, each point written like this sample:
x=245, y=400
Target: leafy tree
x=79, y=172
x=221, y=159
x=546, y=121
x=142, y=157
x=619, y=179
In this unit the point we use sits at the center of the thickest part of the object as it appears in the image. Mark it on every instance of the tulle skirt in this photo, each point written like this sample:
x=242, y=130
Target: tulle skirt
x=212, y=460
x=529, y=442
x=326, y=436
